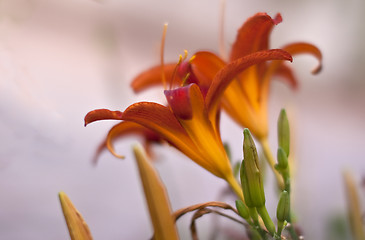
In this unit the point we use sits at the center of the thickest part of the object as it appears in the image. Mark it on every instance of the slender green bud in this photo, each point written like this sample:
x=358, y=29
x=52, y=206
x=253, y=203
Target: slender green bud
x=283, y=132
x=283, y=209
x=251, y=181
x=242, y=209
x=282, y=159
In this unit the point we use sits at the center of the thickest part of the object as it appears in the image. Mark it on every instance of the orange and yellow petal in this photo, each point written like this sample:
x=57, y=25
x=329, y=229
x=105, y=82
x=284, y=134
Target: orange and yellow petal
x=162, y=121
x=279, y=68
x=224, y=77
x=204, y=66
x=199, y=128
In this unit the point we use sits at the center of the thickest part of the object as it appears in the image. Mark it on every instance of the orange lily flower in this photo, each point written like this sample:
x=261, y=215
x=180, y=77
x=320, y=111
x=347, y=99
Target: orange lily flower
x=189, y=122
x=245, y=99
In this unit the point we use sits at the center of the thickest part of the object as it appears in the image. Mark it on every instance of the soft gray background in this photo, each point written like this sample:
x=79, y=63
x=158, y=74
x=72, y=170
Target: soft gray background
x=61, y=59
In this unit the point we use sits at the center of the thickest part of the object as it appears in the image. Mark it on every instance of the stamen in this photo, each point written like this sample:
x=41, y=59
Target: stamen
x=192, y=58
x=185, y=79
x=175, y=70
x=185, y=54
x=181, y=59
x=162, y=55
x=222, y=49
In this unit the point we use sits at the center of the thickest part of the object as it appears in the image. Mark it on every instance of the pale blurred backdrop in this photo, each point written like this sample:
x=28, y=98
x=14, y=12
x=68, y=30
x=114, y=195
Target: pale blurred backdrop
x=61, y=59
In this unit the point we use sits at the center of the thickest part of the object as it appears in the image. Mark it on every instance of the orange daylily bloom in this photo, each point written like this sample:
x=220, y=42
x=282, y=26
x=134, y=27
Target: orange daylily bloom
x=189, y=122
x=245, y=99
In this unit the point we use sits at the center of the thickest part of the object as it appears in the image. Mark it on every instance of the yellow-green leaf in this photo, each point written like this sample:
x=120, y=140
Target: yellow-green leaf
x=156, y=197
x=354, y=208
x=77, y=227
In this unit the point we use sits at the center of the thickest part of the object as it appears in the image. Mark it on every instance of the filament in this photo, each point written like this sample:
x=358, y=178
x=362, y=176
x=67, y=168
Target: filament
x=163, y=76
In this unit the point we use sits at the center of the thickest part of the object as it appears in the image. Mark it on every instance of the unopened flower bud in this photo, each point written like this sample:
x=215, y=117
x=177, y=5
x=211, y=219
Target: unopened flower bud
x=283, y=209
x=284, y=132
x=242, y=209
x=251, y=180
x=282, y=159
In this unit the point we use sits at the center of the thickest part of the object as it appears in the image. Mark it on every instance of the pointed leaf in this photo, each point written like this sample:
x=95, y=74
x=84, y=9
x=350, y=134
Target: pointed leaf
x=77, y=227
x=354, y=207
x=156, y=197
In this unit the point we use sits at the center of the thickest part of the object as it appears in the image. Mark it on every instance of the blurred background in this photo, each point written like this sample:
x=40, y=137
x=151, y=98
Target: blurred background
x=61, y=59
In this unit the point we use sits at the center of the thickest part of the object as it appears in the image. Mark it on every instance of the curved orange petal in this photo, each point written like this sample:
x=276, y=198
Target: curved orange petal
x=123, y=129
x=223, y=78
x=152, y=77
x=102, y=114
x=163, y=122
x=204, y=66
x=302, y=47
x=199, y=128
x=286, y=73
x=254, y=35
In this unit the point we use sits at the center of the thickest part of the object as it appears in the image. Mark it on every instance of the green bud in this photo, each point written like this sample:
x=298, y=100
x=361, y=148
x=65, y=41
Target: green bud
x=282, y=159
x=242, y=209
x=283, y=132
x=251, y=181
x=283, y=209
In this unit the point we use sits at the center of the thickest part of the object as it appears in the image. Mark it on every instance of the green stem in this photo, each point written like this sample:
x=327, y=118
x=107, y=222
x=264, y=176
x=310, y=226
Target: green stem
x=270, y=159
x=267, y=220
x=280, y=227
x=287, y=187
x=256, y=224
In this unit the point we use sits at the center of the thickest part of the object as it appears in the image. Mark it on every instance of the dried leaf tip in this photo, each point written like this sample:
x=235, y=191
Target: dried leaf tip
x=156, y=197
x=77, y=227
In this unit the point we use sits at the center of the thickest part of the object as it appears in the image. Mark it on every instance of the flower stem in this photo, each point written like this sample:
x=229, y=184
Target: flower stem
x=270, y=159
x=266, y=219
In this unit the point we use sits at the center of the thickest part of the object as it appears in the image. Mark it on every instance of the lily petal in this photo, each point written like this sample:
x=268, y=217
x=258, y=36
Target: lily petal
x=302, y=47
x=279, y=67
x=123, y=129
x=161, y=120
x=152, y=77
x=254, y=35
x=77, y=227
x=204, y=66
x=286, y=73
x=102, y=114
x=156, y=197
x=199, y=128
x=223, y=78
